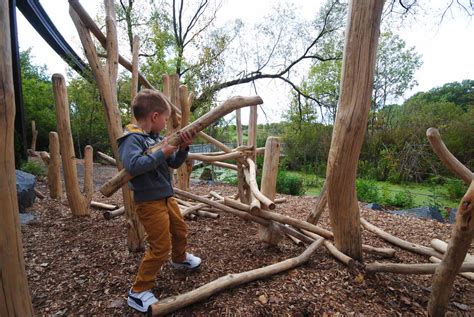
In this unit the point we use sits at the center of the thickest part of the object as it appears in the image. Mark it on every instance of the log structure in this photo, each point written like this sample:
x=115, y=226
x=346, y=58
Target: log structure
x=15, y=299
x=362, y=33
x=78, y=202
x=34, y=135
x=54, y=167
x=106, y=78
x=461, y=235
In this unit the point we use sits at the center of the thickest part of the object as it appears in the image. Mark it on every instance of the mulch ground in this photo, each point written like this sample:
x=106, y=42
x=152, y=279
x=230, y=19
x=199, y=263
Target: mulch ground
x=83, y=266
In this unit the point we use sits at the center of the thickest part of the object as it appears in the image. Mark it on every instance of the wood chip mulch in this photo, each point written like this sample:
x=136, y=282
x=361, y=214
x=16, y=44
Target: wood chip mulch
x=83, y=266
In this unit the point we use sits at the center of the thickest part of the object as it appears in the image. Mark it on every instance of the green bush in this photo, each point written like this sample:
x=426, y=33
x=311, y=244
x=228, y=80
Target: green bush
x=33, y=167
x=403, y=199
x=455, y=189
x=290, y=184
x=367, y=191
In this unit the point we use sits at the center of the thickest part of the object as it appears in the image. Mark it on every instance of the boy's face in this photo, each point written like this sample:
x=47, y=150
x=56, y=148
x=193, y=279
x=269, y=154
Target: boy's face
x=159, y=121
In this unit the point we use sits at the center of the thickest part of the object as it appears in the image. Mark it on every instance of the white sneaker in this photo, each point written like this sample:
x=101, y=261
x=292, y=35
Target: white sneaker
x=190, y=263
x=141, y=301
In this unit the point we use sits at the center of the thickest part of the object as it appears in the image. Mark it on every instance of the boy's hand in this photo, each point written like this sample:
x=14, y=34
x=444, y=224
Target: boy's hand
x=187, y=139
x=167, y=148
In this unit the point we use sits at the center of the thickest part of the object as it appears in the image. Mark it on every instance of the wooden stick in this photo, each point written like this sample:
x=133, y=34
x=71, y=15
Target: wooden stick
x=252, y=129
x=174, y=303
x=280, y=200
x=39, y=194
x=424, y=268
x=320, y=206
x=175, y=139
x=100, y=205
x=107, y=158
x=466, y=275
x=213, y=158
x=90, y=24
x=238, y=122
x=110, y=214
x=236, y=204
x=224, y=165
x=442, y=247
x=184, y=171
x=296, y=241
x=451, y=162
x=413, y=247
x=251, y=178
x=54, y=167
x=208, y=214
x=34, y=135
x=134, y=80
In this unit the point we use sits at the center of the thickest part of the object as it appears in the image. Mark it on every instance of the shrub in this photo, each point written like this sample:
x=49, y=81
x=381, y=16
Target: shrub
x=455, y=189
x=403, y=199
x=367, y=191
x=290, y=184
x=33, y=167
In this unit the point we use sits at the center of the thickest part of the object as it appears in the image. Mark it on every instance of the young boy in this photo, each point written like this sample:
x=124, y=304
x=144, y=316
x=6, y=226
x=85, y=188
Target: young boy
x=153, y=194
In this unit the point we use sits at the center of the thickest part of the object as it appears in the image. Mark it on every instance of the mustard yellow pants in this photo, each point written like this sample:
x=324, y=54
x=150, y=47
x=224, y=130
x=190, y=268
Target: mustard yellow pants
x=166, y=230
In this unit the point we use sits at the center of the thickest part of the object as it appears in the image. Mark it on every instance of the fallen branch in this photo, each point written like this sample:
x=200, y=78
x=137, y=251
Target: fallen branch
x=174, y=303
x=99, y=205
x=175, y=139
x=424, y=268
x=413, y=247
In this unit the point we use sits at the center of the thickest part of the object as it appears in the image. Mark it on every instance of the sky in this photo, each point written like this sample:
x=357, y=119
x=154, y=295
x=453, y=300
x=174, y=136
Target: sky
x=447, y=48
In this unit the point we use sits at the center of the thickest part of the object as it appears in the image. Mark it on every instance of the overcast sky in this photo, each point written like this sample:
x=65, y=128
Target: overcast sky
x=447, y=49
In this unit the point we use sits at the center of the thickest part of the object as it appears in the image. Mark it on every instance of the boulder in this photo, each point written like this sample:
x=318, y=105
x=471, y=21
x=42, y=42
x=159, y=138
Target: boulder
x=374, y=206
x=426, y=212
x=25, y=190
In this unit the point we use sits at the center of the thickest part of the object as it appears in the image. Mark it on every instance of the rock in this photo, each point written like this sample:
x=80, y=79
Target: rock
x=452, y=215
x=426, y=212
x=374, y=206
x=25, y=190
x=26, y=218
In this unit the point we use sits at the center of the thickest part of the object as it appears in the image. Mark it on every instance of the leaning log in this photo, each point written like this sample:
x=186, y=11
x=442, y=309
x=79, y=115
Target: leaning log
x=360, y=47
x=319, y=207
x=413, y=247
x=174, y=303
x=423, y=268
x=175, y=139
x=251, y=178
x=15, y=298
x=107, y=158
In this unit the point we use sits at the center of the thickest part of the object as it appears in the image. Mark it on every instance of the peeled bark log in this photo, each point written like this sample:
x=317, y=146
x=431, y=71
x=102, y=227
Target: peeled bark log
x=110, y=214
x=251, y=178
x=453, y=260
x=236, y=204
x=238, y=122
x=78, y=203
x=442, y=247
x=214, y=158
x=252, y=133
x=201, y=123
x=320, y=206
x=466, y=275
x=134, y=80
x=362, y=33
x=100, y=205
x=270, y=234
x=107, y=158
x=413, y=247
x=224, y=165
x=15, y=299
x=423, y=268
x=184, y=172
x=54, y=167
x=174, y=303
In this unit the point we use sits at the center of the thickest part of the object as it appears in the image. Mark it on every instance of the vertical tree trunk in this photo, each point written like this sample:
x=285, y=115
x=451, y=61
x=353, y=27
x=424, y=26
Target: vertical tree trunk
x=362, y=33
x=270, y=234
x=54, y=167
x=106, y=81
x=15, y=297
x=78, y=203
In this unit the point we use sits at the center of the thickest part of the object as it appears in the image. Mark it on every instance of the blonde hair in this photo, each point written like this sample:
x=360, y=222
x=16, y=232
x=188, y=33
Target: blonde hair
x=147, y=101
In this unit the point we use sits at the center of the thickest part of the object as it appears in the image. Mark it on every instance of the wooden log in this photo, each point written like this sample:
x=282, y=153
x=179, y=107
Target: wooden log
x=268, y=185
x=385, y=252
x=413, y=247
x=108, y=91
x=184, y=172
x=280, y=200
x=453, y=260
x=320, y=206
x=111, y=42
x=214, y=158
x=174, y=98
x=296, y=241
x=201, y=123
x=54, y=167
x=252, y=133
x=105, y=206
x=224, y=165
x=236, y=204
x=362, y=33
x=110, y=214
x=107, y=158
x=45, y=156
x=34, y=135
x=238, y=123
x=90, y=24
x=251, y=179
x=442, y=247
x=448, y=159
x=207, y=214
x=134, y=80
x=466, y=275
x=88, y=177
x=425, y=268
x=77, y=202
x=15, y=299
x=39, y=194
x=174, y=303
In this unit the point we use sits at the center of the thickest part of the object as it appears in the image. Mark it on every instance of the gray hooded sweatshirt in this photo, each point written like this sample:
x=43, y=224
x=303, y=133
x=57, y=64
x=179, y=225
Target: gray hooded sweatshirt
x=152, y=179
